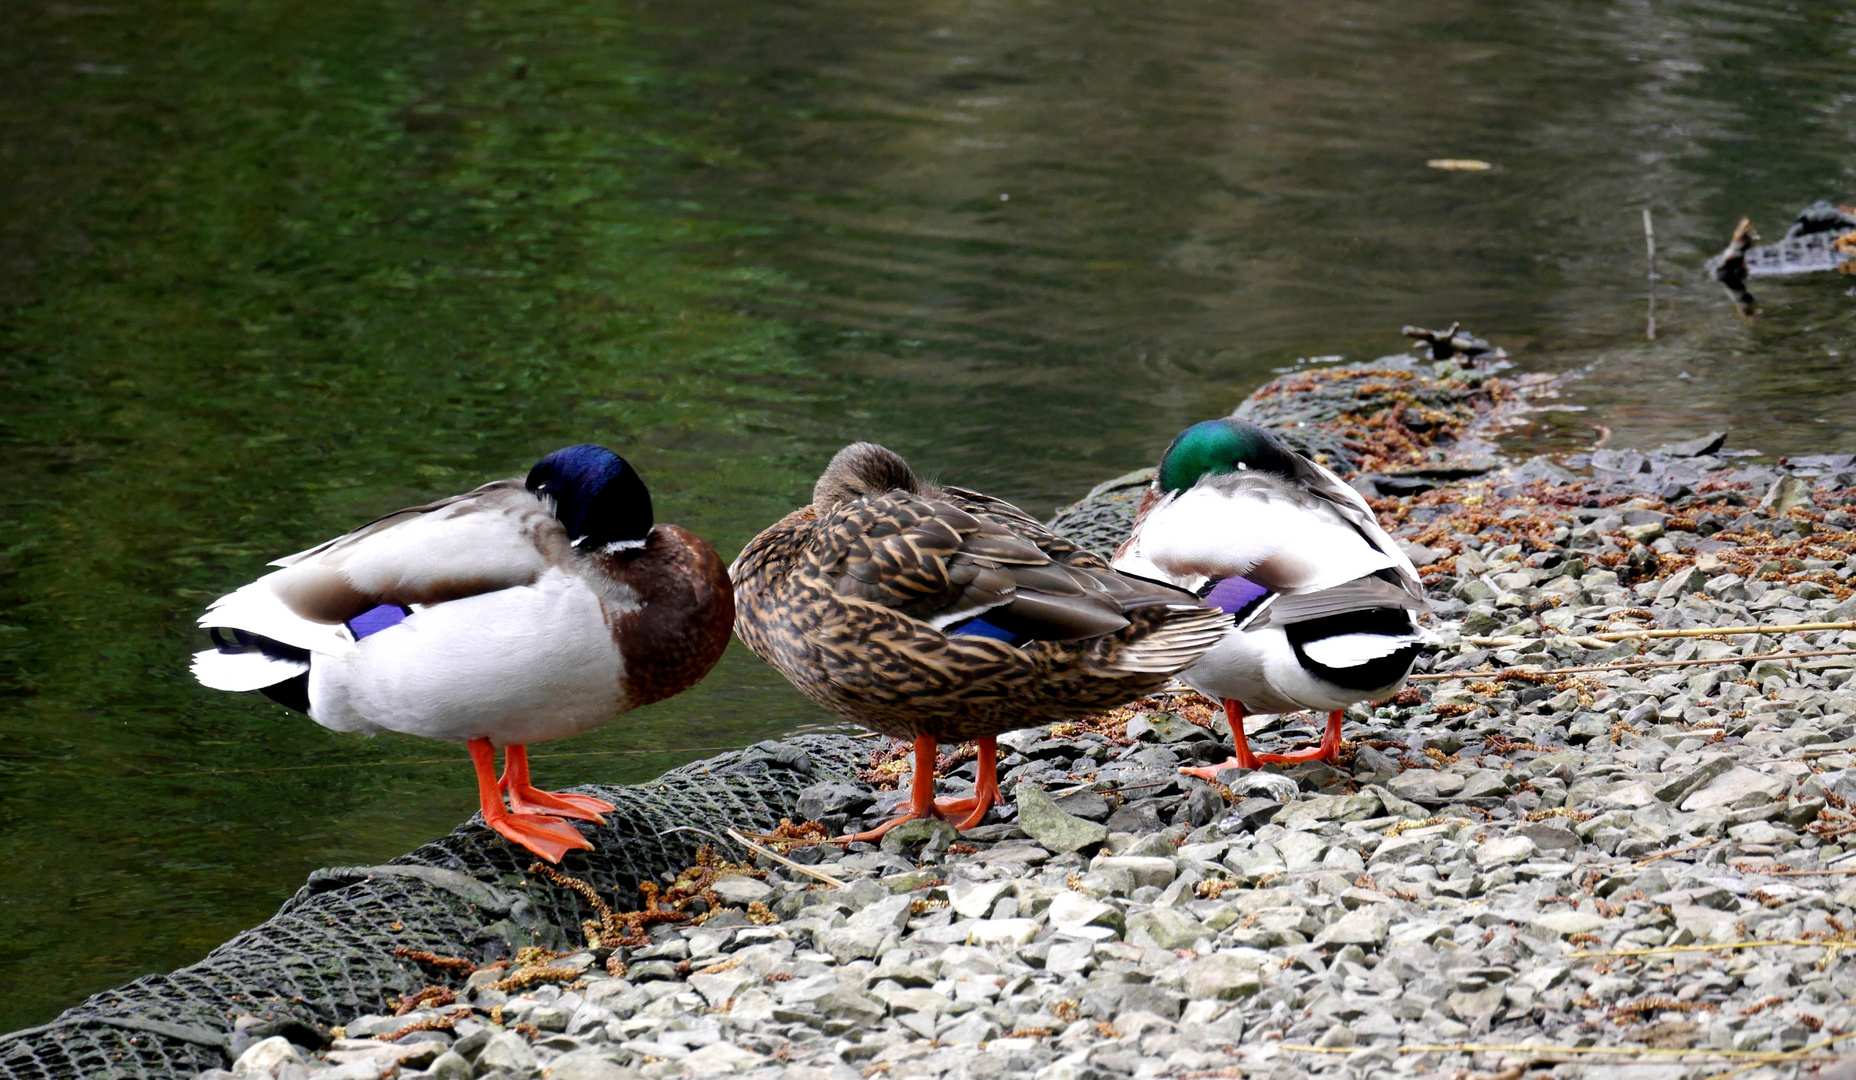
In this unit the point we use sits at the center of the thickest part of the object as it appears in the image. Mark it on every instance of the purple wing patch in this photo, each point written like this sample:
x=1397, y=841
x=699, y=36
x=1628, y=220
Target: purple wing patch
x=1234, y=595
x=374, y=620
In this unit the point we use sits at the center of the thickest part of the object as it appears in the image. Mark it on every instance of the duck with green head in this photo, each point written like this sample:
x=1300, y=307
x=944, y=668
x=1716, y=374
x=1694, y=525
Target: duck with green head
x=1321, y=602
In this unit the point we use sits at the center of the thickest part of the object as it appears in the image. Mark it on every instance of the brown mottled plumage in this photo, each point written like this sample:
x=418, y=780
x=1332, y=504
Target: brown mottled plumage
x=856, y=598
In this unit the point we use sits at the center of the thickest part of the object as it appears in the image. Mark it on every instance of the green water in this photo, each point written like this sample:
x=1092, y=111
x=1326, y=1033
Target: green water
x=267, y=270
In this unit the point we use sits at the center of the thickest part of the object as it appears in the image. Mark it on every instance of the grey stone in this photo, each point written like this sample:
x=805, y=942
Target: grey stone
x=1505, y=850
x=1141, y=817
x=742, y=890
x=931, y=835
x=1736, y=788
x=265, y=1055
x=1425, y=785
x=844, y=1003
x=1549, y=835
x=510, y=1052
x=1045, y=822
x=1248, y=814
x=1681, y=785
x=1109, y=1002
x=1366, y=926
x=832, y=799
x=587, y=1065
x=1222, y=976
x=1074, y=911
x=1166, y=728
x=1086, y=805
x=1167, y=928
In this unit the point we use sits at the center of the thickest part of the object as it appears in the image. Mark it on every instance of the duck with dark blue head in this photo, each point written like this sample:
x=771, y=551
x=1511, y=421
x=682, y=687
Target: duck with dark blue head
x=525, y=610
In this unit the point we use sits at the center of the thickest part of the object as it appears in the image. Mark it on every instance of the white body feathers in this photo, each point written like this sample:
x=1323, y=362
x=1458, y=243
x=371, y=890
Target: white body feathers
x=506, y=639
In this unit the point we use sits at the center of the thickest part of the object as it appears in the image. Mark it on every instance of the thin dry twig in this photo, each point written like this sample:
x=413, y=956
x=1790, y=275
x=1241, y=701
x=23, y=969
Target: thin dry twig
x=1629, y=665
x=1693, y=631
x=783, y=861
x=1758, y=1057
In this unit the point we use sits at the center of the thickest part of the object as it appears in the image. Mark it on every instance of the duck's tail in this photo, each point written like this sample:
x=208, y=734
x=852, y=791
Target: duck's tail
x=1168, y=639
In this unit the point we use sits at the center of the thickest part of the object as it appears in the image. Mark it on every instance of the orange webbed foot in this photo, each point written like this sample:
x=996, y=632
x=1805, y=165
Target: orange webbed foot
x=1327, y=751
x=548, y=837
x=526, y=798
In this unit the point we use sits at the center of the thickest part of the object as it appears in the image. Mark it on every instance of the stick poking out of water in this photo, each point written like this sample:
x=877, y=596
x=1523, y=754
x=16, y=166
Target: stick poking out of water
x=1649, y=242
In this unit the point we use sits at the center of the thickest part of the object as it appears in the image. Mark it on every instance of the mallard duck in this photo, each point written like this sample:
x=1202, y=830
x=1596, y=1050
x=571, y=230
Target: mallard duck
x=934, y=614
x=1320, y=602
x=523, y=611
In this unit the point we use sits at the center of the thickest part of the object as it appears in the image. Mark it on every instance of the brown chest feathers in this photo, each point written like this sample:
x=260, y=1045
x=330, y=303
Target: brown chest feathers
x=678, y=628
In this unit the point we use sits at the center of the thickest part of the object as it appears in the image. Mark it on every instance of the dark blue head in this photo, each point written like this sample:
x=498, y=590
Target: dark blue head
x=597, y=496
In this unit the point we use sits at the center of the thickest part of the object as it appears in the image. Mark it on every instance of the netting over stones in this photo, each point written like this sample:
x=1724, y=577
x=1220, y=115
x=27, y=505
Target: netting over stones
x=328, y=954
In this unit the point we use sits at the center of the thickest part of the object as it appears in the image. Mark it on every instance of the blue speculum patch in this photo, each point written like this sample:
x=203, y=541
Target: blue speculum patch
x=374, y=620
x=977, y=627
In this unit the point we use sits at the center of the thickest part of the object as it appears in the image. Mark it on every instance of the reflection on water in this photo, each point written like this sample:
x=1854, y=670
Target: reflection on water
x=266, y=271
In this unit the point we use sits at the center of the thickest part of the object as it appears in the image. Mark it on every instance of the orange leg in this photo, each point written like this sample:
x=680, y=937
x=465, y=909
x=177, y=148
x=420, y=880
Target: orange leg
x=548, y=837
x=1241, y=757
x=525, y=798
x=921, y=793
x=1327, y=751
x=985, y=788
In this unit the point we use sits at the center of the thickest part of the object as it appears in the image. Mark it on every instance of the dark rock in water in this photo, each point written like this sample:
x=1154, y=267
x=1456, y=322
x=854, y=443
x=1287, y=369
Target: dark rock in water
x=1452, y=343
x=1821, y=217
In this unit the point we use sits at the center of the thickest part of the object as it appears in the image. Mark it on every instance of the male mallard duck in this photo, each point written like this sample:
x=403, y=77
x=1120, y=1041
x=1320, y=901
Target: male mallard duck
x=520, y=612
x=935, y=613
x=1319, y=599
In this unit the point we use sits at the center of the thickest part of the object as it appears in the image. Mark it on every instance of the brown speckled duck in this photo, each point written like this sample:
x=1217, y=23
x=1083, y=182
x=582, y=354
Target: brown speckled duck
x=523, y=611
x=936, y=614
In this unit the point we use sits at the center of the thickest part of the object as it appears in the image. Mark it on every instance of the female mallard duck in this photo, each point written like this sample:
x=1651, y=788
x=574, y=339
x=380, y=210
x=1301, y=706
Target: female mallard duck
x=934, y=613
x=509, y=615
x=1319, y=600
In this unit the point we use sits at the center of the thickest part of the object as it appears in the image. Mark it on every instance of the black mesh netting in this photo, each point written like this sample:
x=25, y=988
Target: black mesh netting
x=328, y=954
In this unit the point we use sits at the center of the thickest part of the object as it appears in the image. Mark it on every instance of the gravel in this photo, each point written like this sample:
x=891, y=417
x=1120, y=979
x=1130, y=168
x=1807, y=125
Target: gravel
x=1467, y=874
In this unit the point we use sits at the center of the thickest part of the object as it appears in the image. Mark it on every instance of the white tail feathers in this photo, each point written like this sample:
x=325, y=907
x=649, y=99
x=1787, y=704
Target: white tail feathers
x=257, y=609
x=1352, y=650
x=247, y=670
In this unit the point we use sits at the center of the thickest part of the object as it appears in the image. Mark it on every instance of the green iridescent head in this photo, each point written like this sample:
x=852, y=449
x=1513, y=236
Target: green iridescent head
x=1219, y=446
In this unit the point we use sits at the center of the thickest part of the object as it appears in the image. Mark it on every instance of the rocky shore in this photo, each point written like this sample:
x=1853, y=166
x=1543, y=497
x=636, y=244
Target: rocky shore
x=1597, y=837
